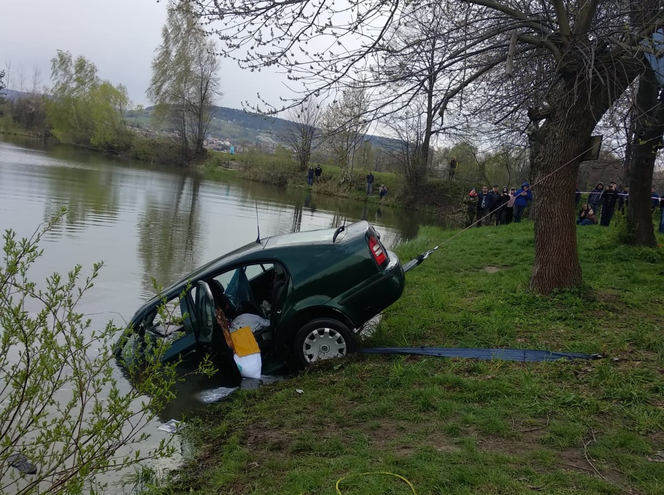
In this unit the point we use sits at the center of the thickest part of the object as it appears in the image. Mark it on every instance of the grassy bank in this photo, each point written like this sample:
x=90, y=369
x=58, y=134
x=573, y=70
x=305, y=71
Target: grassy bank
x=280, y=169
x=464, y=426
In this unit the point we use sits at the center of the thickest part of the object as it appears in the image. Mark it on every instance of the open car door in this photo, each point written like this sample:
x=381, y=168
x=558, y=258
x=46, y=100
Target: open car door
x=204, y=327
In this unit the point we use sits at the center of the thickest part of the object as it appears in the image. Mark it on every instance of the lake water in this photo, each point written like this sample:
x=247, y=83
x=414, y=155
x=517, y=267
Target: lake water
x=148, y=221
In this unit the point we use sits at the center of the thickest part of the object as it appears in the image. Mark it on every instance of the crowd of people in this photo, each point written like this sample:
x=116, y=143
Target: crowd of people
x=603, y=203
x=491, y=207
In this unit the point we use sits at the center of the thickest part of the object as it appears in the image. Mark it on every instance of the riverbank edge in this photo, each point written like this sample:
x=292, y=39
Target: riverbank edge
x=440, y=199
x=456, y=425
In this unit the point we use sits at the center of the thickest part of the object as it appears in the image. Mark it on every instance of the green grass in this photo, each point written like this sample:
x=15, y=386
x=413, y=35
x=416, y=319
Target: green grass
x=454, y=426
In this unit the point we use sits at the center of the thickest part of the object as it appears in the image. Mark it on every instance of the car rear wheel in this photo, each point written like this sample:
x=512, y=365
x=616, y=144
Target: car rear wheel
x=323, y=338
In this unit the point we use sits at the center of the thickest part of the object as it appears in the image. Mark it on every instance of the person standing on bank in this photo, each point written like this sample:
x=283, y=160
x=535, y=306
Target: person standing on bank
x=523, y=195
x=495, y=203
x=370, y=181
x=471, y=201
x=595, y=197
x=654, y=198
x=623, y=200
x=483, y=204
x=310, y=176
x=505, y=198
x=609, y=200
x=453, y=167
x=317, y=172
x=510, y=207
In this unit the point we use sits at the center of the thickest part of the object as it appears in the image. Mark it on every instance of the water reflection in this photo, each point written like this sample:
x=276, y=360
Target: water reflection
x=168, y=231
x=90, y=196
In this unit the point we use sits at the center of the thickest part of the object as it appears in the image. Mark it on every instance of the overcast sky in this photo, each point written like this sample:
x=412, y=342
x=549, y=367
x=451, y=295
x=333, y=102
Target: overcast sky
x=119, y=36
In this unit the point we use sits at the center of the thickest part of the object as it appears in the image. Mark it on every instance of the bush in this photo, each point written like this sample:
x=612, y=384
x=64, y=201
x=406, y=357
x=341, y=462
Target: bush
x=61, y=408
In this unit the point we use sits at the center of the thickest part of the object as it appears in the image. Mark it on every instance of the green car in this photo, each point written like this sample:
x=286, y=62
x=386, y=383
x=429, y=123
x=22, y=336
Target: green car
x=311, y=293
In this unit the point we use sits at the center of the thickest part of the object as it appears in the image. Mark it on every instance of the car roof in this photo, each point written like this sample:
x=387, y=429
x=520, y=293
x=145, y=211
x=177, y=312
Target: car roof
x=271, y=245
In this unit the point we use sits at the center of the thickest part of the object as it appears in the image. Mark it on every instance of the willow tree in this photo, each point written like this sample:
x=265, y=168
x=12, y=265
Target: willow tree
x=85, y=110
x=555, y=67
x=184, y=79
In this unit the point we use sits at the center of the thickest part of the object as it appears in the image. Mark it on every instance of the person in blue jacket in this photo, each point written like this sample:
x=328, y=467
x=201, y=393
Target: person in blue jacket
x=523, y=195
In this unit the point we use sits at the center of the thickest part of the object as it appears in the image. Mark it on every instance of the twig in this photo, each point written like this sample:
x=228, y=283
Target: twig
x=585, y=453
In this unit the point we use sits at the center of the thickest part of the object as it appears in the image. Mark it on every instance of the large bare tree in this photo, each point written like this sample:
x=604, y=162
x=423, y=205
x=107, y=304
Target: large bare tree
x=555, y=66
x=302, y=133
x=345, y=124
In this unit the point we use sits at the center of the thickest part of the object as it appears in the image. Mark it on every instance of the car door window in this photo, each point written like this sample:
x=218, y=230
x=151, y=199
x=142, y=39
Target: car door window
x=250, y=287
x=205, y=310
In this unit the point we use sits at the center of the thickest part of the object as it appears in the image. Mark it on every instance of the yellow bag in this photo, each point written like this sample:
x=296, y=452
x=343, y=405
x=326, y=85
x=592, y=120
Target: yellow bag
x=244, y=342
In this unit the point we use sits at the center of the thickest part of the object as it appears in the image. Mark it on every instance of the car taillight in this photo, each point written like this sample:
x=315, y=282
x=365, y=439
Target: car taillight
x=377, y=251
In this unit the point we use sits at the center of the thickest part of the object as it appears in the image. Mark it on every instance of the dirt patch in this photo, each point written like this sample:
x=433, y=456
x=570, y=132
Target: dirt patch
x=577, y=458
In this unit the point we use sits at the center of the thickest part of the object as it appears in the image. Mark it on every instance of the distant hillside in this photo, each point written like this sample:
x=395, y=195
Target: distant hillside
x=12, y=95
x=229, y=124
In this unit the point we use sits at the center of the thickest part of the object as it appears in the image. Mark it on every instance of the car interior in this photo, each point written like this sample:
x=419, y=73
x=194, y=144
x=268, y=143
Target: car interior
x=258, y=289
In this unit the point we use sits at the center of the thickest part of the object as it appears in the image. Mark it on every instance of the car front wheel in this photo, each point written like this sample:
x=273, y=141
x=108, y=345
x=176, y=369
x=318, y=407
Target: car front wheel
x=323, y=338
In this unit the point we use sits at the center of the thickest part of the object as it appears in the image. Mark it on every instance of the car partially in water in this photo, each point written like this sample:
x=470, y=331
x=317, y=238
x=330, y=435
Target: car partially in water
x=308, y=294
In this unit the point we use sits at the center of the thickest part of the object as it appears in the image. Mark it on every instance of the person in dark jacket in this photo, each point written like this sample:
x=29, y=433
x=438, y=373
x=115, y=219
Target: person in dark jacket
x=595, y=197
x=501, y=214
x=370, y=181
x=509, y=209
x=453, y=167
x=609, y=199
x=654, y=198
x=622, y=198
x=318, y=172
x=523, y=195
x=310, y=176
x=494, y=195
x=471, y=202
x=483, y=205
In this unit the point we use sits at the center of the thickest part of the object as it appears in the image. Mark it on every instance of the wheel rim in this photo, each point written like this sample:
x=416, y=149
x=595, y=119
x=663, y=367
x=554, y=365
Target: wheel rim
x=323, y=343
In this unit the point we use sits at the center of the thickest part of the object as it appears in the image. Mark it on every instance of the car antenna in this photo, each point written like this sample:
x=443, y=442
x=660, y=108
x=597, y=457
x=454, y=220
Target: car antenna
x=258, y=227
x=339, y=230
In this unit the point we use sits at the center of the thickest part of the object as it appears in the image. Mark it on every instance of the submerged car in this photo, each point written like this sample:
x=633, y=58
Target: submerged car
x=309, y=292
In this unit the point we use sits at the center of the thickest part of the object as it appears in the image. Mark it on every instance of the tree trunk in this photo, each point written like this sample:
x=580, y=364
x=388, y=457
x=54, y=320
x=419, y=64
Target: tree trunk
x=555, y=157
x=647, y=141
